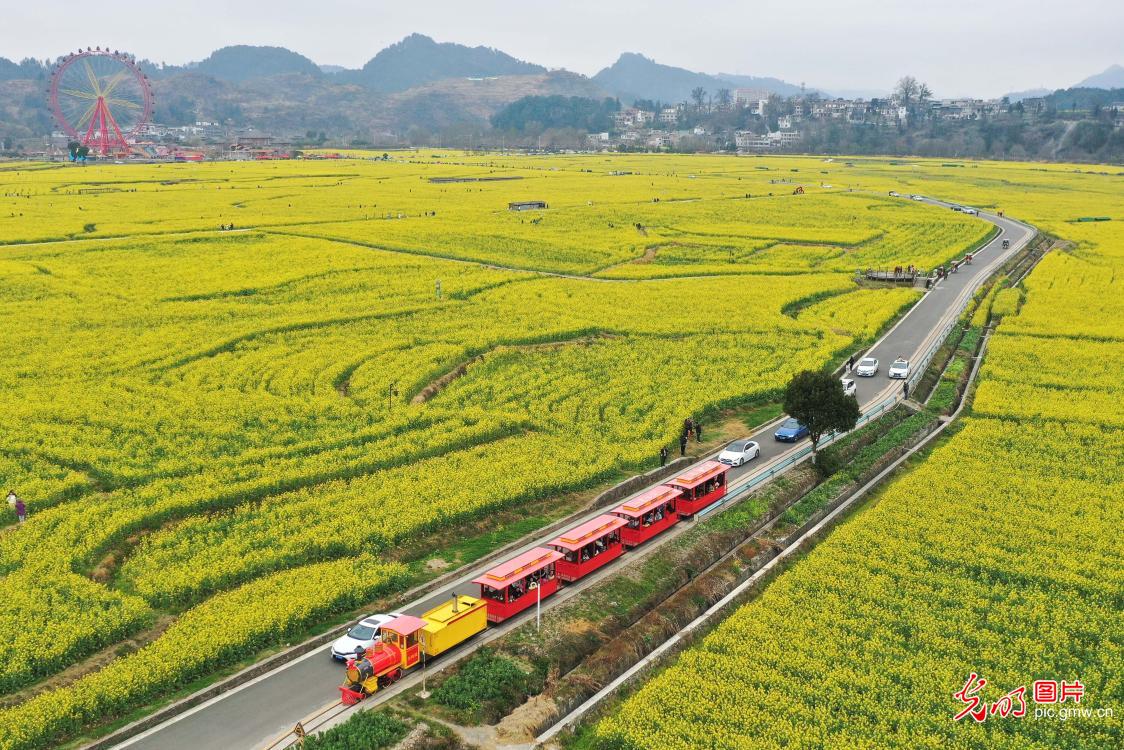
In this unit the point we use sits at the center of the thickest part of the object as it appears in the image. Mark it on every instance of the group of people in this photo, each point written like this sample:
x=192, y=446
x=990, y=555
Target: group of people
x=226, y=227
x=592, y=550
x=651, y=517
x=690, y=427
x=15, y=502
x=531, y=582
x=904, y=270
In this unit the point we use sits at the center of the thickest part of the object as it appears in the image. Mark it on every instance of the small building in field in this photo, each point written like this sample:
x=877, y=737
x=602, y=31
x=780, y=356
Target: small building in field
x=526, y=205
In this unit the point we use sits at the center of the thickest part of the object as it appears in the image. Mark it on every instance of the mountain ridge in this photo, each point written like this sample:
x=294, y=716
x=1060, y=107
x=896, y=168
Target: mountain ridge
x=1111, y=77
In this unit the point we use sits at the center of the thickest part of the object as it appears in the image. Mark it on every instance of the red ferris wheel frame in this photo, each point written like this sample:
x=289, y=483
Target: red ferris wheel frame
x=103, y=134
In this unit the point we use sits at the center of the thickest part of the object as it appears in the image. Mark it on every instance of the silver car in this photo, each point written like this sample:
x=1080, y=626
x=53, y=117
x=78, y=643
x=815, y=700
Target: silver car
x=867, y=367
x=738, y=452
x=361, y=636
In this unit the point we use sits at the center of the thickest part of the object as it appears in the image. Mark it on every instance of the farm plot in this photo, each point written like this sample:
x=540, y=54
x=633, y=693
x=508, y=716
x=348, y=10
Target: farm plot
x=190, y=410
x=998, y=556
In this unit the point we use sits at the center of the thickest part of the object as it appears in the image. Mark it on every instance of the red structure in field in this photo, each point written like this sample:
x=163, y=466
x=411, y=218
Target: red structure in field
x=509, y=588
x=701, y=485
x=589, y=546
x=648, y=514
x=101, y=99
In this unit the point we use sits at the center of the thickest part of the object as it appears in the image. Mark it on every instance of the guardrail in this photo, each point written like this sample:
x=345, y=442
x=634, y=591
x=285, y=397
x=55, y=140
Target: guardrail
x=805, y=536
x=765, y=474
x=923, y=363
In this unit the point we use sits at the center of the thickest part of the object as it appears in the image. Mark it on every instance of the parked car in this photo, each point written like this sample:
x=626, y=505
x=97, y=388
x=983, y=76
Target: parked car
x=867, y=367
x=969, y=211
x=361, y=635
x=917, y=197
x=895, y=194
x=899, y=369
x=739, y=451
x=955, y=207
x=790, y=431
x=850, y=387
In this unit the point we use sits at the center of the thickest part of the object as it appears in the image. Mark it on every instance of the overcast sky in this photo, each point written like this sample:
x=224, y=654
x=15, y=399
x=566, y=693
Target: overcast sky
x=980, y=47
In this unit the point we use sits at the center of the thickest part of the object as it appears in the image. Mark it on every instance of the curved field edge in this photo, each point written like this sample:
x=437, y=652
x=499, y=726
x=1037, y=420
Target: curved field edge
x=368, y=383
x=997, y=555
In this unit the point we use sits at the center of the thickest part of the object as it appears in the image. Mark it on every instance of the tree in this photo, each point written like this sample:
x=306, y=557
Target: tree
x=724, y=97
x=924, y=94
x=698, y=95
x=907, y=90
x=817, y=401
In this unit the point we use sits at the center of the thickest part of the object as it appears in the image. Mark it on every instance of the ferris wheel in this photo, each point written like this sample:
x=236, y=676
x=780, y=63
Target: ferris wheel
x=101, y=99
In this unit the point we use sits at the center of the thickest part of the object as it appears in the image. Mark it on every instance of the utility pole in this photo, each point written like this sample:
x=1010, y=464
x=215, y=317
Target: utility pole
x=424, y=694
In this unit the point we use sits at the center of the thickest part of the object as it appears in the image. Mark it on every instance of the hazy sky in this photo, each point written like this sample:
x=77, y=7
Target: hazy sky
x=981, y=47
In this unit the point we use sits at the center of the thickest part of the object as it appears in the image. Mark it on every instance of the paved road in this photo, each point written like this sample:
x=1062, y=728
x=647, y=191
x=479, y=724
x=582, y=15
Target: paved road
x=255, y=714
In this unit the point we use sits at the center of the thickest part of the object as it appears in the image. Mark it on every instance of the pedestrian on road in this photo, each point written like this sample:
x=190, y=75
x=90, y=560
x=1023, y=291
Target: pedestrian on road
x=851, y=363
x=698, y=431
x=663, y=456
x=905, y=390
x=21, y=510
x=683, y=444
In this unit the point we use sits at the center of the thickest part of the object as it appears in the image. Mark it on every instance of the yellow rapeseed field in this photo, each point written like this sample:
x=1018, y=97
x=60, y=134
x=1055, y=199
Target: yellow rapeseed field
x=192, y=413
x=999, y=555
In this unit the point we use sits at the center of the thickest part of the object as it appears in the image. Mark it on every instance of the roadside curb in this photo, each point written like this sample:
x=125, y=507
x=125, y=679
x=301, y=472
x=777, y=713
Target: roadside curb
x=618, y=491
x=607, y=497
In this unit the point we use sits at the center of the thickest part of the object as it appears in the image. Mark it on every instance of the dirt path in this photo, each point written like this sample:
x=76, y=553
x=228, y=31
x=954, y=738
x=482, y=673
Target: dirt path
x=90, y=664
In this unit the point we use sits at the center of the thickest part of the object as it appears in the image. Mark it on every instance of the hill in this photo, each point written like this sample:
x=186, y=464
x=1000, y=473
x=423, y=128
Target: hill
x=418, y=60
x=243, y=62
x=1018, y=96
x=634, y=76
x=452, y=100
x=775, y=85
x=1111, y=77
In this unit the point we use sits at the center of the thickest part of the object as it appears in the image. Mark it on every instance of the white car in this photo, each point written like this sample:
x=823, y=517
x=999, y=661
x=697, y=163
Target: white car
x=850, y=387
x=867, y=367
x=739, y=451
x=969, y=211
x=917, y=197
x=899, y=369
x=362, y=635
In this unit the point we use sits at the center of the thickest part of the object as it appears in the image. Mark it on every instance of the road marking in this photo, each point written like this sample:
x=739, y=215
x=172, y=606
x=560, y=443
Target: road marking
x=211, y=701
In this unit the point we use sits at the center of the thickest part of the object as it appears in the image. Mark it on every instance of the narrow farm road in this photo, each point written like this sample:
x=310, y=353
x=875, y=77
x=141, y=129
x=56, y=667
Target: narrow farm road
x=253, y=716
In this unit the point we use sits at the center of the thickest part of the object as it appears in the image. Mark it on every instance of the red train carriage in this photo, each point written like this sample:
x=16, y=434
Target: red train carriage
x=589, y=546
x=701, y=486
x=648, y=514
x=510, y=588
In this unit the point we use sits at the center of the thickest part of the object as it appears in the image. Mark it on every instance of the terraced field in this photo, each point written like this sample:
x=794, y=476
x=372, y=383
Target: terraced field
x=198, y=418
x=1000, y=556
